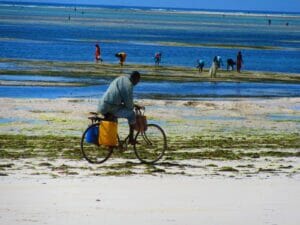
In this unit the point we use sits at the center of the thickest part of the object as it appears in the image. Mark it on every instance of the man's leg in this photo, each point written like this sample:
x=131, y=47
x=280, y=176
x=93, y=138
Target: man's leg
x=130, y=116
x=131, y=132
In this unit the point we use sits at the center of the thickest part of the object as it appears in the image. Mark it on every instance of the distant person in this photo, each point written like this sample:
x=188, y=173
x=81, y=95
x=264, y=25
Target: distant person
x=219, y=61
x=157, y=58
x=269, y=22
x=214, y=67
x=287, y=24
x=98, y=53
x=239, y=62
x=200, y=65
x=122, y=57
x=230, y=64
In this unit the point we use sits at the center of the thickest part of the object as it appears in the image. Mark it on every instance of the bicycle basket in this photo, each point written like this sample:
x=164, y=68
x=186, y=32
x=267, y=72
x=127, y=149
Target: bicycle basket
x=92, y=135
x=141, y=123
x=108, y=133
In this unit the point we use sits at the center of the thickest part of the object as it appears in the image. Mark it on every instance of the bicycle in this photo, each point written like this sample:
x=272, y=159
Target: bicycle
x=149, y=144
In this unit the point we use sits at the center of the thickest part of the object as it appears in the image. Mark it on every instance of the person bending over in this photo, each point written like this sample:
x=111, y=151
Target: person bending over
x=200, y=65
x=122, y=57
x=117, y=101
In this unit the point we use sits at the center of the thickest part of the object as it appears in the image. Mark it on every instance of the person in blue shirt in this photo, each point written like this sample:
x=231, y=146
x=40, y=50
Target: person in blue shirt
x=118, y=100
x=219, y=62
x=200, y=65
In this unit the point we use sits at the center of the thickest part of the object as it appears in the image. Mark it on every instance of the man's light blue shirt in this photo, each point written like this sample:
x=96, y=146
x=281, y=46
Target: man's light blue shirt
x=119, y=95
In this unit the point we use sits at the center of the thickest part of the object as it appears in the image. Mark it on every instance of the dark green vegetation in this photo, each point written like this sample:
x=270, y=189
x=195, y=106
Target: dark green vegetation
x=20, y=146
x=150, y=73
x=44, y=151
x=222, y=148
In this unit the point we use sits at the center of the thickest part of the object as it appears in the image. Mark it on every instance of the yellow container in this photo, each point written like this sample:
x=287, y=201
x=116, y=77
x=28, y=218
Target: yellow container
x=108, y=133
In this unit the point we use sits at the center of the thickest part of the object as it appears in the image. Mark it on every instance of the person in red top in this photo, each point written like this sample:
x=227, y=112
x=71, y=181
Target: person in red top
x=239, y=62
x=157, y=58
x=98, y=54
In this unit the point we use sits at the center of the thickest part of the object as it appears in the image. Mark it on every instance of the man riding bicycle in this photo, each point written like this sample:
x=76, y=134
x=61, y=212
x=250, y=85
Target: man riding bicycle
x=117, y=101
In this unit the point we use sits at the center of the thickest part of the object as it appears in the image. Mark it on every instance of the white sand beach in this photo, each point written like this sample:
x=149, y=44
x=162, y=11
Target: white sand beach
x=149, y=200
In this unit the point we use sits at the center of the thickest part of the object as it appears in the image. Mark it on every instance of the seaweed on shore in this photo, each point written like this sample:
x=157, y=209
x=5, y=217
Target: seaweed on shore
x=222, y=148
x=165, y=73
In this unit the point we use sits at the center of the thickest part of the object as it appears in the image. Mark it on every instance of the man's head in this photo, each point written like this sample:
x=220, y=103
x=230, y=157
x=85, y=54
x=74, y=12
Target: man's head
x=135, y=77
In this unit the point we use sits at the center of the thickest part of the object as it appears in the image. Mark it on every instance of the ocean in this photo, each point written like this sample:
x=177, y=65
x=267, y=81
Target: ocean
x=69, y=33
x=152, y=90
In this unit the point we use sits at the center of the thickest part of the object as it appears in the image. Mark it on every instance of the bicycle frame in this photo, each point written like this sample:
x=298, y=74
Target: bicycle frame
x=147, y=148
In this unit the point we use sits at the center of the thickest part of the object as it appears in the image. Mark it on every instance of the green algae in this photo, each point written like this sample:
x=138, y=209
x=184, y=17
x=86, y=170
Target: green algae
x=246, y=166
x=152, y=169
x=267, y=170
x=7, y=165
x=228, y=169
x=150, y=73
x=215, y=154
x=65, y=169
x=285, y=167
x=232, y=141
x=223, y=148
x=119, y=166
x=22, y=146
x=124, y=172
x=46, y=164
x=3, y=174
x=211, y=165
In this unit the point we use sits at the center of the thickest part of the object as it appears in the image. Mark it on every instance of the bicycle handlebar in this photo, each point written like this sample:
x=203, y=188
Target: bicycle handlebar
x=138, y=107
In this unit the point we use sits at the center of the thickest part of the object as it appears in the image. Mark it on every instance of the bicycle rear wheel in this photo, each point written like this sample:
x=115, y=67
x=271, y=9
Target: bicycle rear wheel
x=92, y=151
x=150, y=145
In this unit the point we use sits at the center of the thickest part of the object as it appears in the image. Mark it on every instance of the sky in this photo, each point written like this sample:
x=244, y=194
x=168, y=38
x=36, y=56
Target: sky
x=260, y=5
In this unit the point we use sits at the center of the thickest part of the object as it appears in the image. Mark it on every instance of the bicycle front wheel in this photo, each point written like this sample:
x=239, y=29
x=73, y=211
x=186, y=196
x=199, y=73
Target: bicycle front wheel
x=150, y=145
x=91, y=150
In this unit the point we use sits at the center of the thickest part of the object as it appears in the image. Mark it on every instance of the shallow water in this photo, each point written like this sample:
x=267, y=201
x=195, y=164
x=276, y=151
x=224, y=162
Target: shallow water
x=35, y=78
x=44, y=32
x=187, y=90
x=284, y=117
x=20, y=120
x=215, y=118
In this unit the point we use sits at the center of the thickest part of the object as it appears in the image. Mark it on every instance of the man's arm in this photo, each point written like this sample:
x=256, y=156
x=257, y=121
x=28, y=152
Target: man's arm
x=128, y=99
x=126, y=93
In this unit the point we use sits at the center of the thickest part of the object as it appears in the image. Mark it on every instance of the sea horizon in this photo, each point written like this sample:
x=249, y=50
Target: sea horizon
x=169, y=9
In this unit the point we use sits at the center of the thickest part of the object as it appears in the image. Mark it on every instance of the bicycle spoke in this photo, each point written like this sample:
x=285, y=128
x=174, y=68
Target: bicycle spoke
x=151, y=144
x=92, y=151
x=146, y=138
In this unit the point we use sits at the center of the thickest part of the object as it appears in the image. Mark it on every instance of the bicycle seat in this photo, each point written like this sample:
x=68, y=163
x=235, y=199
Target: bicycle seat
x=94, y=117
x=110, y=117
x=98, y=116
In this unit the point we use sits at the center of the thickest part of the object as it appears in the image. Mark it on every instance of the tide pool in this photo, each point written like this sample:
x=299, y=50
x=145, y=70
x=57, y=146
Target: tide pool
x=186, y=90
